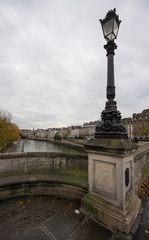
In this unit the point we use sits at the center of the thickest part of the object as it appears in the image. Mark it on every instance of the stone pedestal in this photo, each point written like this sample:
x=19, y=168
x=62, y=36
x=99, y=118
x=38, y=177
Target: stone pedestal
x=111, y=199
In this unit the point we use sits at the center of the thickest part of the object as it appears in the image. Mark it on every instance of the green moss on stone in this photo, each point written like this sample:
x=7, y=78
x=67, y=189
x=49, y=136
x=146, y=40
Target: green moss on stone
x=88, y=205
x=76, y=172
x=74, y=176
x=145, y=173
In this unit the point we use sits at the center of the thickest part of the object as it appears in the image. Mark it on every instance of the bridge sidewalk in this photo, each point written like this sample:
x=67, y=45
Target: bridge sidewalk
x=143, y=231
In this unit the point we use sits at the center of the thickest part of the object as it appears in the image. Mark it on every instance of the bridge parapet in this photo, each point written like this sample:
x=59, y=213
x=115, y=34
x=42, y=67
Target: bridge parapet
x=141, y=165
x=41, y=169
x=69, y=169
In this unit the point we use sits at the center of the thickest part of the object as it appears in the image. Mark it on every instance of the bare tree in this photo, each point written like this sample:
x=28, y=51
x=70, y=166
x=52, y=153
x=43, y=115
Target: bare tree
x=5, y=115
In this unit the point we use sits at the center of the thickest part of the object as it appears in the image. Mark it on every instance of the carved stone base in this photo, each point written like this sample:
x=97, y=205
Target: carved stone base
x=113, y=217
x=111, y=124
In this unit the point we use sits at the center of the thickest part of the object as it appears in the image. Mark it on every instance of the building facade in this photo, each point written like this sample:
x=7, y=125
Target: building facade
x=137, y=126
x=40, y=133
x=141, y=124
x=128, y=124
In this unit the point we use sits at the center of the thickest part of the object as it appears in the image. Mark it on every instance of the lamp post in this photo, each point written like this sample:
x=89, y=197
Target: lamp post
x=111, y=197
x=111, y=125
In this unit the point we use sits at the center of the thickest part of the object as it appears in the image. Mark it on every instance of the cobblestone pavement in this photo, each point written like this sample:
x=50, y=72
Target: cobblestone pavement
x=143, y=231
x=44, y=218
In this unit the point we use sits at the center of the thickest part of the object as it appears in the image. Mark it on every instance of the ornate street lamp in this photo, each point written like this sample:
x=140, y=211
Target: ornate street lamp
x=110, y=25
x=111, y=156
x=111, y=125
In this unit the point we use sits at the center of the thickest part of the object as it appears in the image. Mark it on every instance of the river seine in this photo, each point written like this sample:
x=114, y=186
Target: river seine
x=26, y=145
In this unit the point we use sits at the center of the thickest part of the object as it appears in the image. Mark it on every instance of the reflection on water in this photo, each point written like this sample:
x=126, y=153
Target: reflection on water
x=40, y=146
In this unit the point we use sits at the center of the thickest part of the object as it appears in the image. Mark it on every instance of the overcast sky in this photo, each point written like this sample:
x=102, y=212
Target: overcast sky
x=53, y=64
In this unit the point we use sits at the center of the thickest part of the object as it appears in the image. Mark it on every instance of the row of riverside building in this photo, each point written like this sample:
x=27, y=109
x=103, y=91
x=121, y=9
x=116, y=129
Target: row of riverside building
x=137, y=126
x=73, y=132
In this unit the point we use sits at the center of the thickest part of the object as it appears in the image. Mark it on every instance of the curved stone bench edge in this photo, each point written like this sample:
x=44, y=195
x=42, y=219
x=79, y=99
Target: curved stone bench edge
x=42, y=181
x=34, y=188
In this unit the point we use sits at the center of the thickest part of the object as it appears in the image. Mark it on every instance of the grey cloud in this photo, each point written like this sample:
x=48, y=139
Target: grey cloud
x=53, y=64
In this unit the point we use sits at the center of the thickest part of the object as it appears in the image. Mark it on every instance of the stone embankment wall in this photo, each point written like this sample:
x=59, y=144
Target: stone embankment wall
x=141, y=165
x=43, y=173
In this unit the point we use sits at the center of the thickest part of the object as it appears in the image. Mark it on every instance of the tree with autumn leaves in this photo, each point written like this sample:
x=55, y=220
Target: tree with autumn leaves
x=9, y=132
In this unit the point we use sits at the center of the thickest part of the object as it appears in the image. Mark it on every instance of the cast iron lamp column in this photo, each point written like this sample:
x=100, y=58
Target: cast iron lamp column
x=111, y=125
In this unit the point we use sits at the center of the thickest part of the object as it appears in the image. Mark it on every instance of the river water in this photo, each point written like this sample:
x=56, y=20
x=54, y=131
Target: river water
x=26, y=145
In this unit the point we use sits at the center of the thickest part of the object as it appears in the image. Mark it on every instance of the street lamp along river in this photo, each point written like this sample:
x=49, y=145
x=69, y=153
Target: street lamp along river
x=111, y=125
x=111, y=198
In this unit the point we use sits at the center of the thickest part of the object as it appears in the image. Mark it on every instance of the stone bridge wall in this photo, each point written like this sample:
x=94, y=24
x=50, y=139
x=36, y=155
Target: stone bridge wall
x=30, y=173
x=141, y=165
x=19, y=170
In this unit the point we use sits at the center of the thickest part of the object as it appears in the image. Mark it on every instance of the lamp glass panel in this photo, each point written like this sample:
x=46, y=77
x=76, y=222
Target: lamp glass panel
x=108, y=27
x=111, y=36
x=115, y=28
